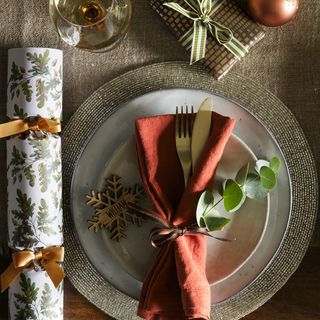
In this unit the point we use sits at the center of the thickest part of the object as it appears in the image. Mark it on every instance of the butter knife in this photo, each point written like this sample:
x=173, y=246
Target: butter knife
x=201, y=130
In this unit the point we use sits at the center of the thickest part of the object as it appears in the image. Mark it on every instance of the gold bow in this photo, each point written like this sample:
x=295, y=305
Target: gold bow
x=48, y=259
x=14, y=127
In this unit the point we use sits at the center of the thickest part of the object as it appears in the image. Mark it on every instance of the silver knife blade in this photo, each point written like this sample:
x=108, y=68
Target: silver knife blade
x=201, y=130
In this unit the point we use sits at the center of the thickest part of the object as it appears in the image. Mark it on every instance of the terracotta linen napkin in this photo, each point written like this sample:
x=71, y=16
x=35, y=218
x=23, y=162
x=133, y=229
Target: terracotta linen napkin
x=176, y=286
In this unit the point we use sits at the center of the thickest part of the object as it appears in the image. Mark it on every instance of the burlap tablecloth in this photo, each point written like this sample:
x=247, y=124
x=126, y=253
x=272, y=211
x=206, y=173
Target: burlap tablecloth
x=287, y=62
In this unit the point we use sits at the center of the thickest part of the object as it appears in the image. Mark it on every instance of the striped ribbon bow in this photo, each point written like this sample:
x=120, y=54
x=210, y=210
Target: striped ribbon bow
x=196, y=37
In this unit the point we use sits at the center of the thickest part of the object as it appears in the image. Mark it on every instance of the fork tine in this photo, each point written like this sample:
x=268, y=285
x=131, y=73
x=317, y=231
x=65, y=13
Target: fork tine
x=183, y=127
x=178, y=123
x=187, y=122
x=191, y=120
x=183, y=122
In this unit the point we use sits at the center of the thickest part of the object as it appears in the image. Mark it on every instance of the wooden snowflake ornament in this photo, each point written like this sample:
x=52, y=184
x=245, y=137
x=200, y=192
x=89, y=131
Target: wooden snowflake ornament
x=112, y=208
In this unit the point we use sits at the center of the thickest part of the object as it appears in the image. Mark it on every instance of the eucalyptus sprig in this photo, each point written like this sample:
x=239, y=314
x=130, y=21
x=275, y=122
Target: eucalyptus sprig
x=254, y=184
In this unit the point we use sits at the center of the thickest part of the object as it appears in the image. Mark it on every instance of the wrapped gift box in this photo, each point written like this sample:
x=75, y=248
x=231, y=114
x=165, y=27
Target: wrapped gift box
x=218, y=59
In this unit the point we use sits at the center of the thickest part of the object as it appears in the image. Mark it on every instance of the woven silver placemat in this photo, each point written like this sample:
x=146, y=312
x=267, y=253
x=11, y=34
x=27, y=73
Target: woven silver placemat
x=275, y=116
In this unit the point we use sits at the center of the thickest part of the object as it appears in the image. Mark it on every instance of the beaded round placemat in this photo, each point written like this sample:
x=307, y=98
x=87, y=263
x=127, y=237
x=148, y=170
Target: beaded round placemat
x=277, y=118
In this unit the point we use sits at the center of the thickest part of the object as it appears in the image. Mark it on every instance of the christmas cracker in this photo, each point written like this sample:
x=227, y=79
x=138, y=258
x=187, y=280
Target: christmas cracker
x=34, y=178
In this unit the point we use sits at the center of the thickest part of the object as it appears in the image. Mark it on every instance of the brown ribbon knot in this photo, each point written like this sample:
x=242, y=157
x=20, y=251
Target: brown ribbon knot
x=14, y=127
x=48, y=258
x=168, y=232
x=165, y=234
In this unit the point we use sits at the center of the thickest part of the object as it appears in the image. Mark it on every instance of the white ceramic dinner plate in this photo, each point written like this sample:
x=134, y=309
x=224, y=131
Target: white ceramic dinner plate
x=258, y=226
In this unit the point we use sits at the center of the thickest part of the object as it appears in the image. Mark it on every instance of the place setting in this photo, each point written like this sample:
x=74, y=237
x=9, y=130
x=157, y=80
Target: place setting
x=174, y=191
x=241, y=256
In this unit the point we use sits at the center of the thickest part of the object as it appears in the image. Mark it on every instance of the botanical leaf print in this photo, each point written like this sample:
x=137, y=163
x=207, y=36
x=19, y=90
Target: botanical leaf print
x=55, y=199
x=48, y=303
x=24, y=233
x=60, y=228
x=26, y=89
x=45, y=222
x=55, y=168
x=19, y=78
x=19, y=112
x=44, y=177
x=46, y=82
x=41, y=95
x=54, y=86
x=50, y=112
x=25, y=302
x=20, y=165
x=29, y=226
x=30, y=305
x=18, y=160
x=47, y=169
x=41, y=148
x=39, y=62
x=29, y=174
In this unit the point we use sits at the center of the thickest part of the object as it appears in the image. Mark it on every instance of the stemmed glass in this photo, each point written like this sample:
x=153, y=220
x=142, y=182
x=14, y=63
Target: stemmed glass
x=94, y=25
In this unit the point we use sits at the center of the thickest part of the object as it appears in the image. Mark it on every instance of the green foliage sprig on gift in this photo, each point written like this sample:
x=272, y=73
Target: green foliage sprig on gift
x=253, y=185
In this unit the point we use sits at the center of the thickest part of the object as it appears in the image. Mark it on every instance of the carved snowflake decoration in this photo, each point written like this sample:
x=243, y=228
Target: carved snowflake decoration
x=112, y=208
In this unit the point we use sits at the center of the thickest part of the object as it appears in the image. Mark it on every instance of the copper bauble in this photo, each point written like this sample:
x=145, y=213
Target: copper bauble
x=272, y=13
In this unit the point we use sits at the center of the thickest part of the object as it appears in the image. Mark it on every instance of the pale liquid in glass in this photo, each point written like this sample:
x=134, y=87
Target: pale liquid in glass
x=96, y=25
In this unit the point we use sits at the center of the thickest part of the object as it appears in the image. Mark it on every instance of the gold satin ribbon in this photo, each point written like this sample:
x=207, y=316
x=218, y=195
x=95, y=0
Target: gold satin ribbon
x=14, y=127
x=48, y=259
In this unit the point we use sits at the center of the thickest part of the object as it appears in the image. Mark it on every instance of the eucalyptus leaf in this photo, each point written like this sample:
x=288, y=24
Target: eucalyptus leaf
x=253, y=188
x=240, y=203
x=221, y=189
x=214, y=221
x=275, y=164
x=232, y=195
x=202, y=223
x=206, y=199
x=268, y=178
x=260, y=164
x=242, y=174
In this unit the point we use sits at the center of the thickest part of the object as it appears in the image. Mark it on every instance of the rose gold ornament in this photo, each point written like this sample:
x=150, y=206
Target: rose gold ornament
x=272, y=13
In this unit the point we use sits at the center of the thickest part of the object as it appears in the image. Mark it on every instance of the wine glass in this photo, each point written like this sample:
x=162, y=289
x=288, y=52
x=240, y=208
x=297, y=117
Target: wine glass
x=93, y=25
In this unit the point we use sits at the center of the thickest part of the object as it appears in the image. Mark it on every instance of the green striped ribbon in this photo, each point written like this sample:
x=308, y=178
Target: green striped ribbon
x=196, y=38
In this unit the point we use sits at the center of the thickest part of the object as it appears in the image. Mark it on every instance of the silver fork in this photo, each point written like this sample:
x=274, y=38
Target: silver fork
x=183, y=124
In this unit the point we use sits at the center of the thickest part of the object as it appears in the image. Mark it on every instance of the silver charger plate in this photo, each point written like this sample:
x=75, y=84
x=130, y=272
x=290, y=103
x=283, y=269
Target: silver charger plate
x=257, y=286
x=111, y=151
